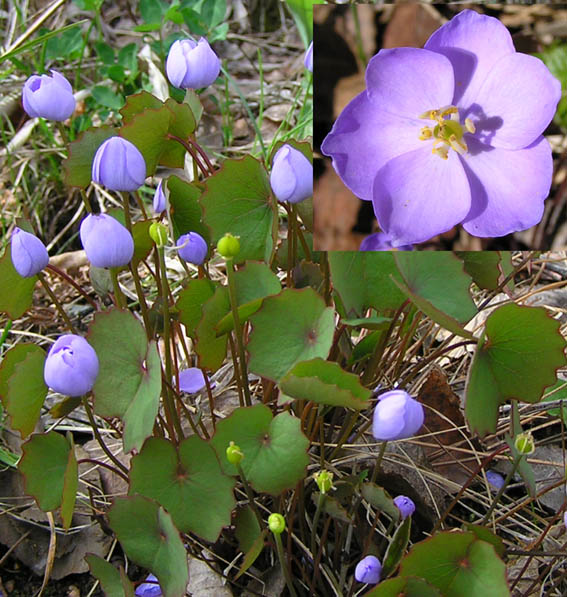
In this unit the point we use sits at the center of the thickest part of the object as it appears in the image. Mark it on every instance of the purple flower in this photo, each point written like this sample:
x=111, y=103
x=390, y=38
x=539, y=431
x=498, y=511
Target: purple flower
x=495, y=479
x=192, y=247
x=405, y=505
x=192, y=65
x=29, y=254
x=381, y=241
x=47, y=96
x=119, y=165
x=106, y=242
x=160, y=201
x=368, y=570
x=292, y=175
x=565, y=519
x=308, y=61
x=150, y=588
x=191, y=380
x=396, y=416
x=71, y=366
x=450, y=134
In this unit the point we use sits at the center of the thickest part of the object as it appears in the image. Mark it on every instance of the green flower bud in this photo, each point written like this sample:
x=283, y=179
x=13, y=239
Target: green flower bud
x=158, y=233
x=525, y=443
x=233, y=454
x=324, y=480
x=276, y=523
x=228, y=246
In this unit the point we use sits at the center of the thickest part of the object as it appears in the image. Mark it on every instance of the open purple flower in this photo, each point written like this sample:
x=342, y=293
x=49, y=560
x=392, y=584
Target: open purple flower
x=29, y=255
x=450, y=134
x=48, y=96
x=119, y=165
x=192, y=65
x=405, y=505
x=106, y=241
x=71, y=366
x=368, y=570
x=396, y=416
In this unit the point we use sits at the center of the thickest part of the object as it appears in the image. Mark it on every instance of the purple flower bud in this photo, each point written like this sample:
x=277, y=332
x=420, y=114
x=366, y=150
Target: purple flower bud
x=368, y=570
x=191, y=380
x=192, y=65
x=47, y=96
x=309, y=58
x=396, y=416
x=160, y=201
x=150, y=588
x=495, y=479
x=29, y=254
x=565, y=518
x=405, y=505
x=71, y=366
x=381, y=241
x=106, y=242
x=292, y=175
x=119, y=165
x=192, y=248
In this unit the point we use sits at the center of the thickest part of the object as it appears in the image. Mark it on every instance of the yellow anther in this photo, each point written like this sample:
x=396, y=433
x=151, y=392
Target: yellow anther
x=459, y=146
x=469, y=125
x=430, y=115
x=425, y=133
x=442, y=152
x=449, y=110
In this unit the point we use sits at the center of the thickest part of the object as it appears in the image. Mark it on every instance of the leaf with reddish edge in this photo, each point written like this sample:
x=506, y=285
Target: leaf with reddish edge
x=138, y=102
x=129, y=381
x=184, y=208
x=149, y=538
x=47, y=456
x=407, y=586
x=112, y=581
x=78, y=164
x=516, y=358
x=22, y=388
x=16, y=293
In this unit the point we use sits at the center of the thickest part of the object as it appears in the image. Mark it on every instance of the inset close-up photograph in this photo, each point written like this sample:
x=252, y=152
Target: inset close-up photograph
x=440, y=126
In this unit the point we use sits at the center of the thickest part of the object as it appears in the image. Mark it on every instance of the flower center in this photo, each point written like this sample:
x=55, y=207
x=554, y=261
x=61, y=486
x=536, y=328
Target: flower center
x=448, y=132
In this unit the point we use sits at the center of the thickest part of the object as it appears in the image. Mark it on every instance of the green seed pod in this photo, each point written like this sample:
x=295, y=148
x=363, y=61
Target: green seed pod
x=158, y=233
x=228, y=246
x=276, y=523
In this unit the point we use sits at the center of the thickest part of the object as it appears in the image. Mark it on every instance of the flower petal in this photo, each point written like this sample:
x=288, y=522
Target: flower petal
x=419, y=195
x=409, y=81
x=473, y=43
x=508, y=187
x=364, y=138
x=519, y=98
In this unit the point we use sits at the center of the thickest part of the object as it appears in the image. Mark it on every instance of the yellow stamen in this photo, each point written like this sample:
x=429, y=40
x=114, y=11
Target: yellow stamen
x=469, y=125
x=430, y=115
x=426, y=133
x=442, y=152
x=459, y=146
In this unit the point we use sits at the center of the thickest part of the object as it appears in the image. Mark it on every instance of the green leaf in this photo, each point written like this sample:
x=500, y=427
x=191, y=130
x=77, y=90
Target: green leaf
x=369, y=323
x=112, y=581
x=406, y=586
x=187, y=482
x=238, y=200
x=485, y=534
x=22, y=388
x=104, y=52
x=516, y=359
x=458, y=564
x=143, y=242
x=149, y=538
x=16, y=293
x=396, y=548
x=379, y=498
x=246, y=528
x=184, y=208
x=182, y=125
x=436, y=283
x=212, y=12
x=151, y=11
x=302, y=325
x=482, y=266
x=302, y=11
x=252, y=553
x=129, y=381
x=325, y=382
x=70, y=486
x=108, y=98
x=364, y=279
x=127, y=57
x=191, y=300
x=46, y=456
x=275, y=449
x=78, y=165
x=138, y=103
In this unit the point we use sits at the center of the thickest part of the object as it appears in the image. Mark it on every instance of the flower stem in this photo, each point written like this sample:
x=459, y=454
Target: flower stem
x=56, y=302
x=250, y=495
x=237, y=329
x=378, y=462
x=320, y=505
x=283, y=564
x=502, y=489
x=121, y=302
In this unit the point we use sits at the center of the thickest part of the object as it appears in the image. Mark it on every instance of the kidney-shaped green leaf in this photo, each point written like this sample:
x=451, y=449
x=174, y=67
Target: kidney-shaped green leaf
x=188, y=482
x=129, y=380
x=78, y=165
x=292, y=326
x=516, y=359
x=406, y=586
x=275, y=449
x=149, y=538
x=112, y=581
x=326, y=383
x=16, y=293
